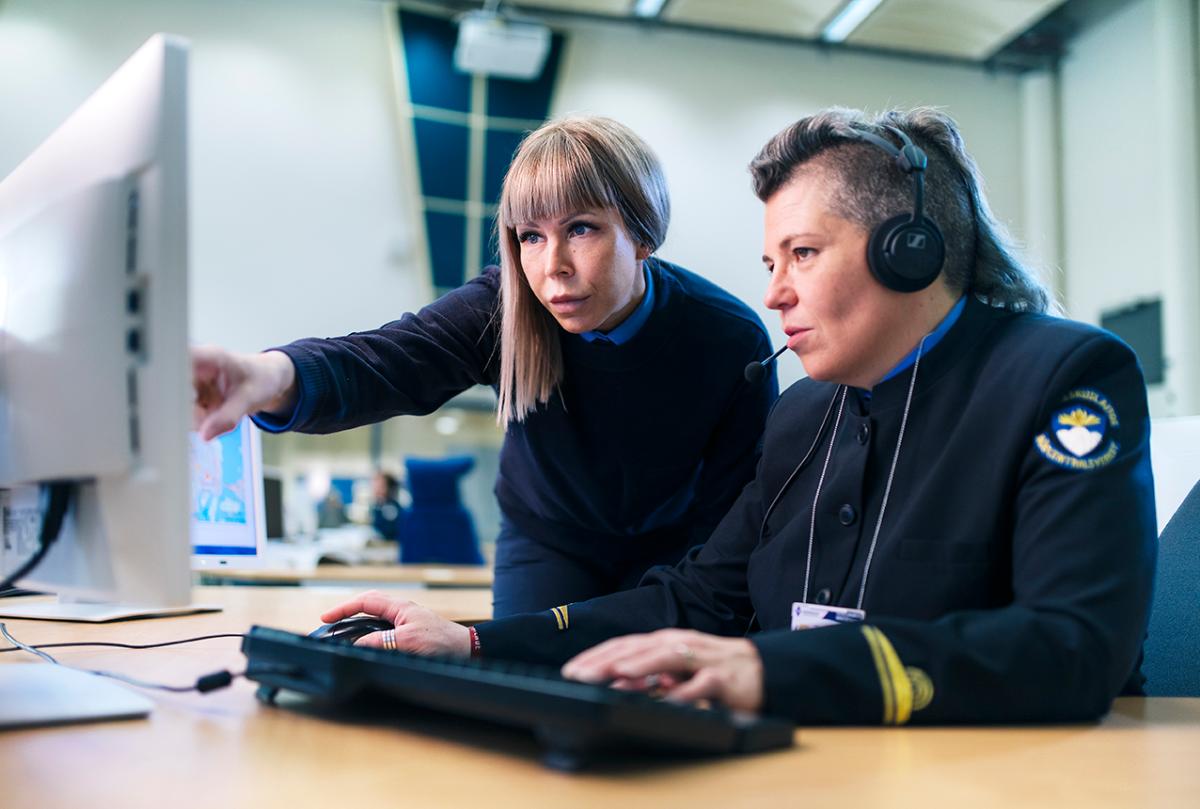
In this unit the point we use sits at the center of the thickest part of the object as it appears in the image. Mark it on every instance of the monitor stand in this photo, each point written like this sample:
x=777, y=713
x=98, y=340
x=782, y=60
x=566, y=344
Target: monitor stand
x=96, y=612
x=36, y=694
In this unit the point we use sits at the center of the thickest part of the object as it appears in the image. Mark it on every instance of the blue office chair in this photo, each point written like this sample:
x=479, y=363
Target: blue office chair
x=1172, y=662
x=436, y=527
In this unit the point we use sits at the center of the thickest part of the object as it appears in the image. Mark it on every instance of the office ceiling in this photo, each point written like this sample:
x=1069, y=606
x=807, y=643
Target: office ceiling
x=970, y=30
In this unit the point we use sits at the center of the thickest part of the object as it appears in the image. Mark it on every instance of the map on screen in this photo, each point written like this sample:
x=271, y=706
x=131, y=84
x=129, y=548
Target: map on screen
x=220, y=479
x=223, y=505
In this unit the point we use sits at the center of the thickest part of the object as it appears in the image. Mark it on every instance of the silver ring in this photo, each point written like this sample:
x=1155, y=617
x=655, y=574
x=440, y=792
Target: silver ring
x=389, y=640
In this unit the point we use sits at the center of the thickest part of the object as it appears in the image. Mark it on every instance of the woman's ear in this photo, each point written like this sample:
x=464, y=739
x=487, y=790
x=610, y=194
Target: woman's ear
x=643, y=252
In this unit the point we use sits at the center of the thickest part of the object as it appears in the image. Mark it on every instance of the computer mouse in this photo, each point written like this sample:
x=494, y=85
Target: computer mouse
x=348, y=630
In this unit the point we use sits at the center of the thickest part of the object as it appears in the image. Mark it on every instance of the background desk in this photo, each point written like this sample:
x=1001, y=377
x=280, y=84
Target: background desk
x=427, y=575
x=226, y=750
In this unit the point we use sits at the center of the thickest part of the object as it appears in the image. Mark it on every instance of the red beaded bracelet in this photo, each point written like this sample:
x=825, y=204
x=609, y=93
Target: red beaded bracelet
x=474, y=641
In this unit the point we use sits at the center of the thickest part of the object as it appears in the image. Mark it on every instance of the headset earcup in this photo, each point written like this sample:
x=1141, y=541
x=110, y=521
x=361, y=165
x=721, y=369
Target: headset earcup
x=906, y=256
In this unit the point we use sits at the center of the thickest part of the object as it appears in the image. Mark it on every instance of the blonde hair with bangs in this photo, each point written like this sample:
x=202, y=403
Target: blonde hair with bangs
x=568, y=165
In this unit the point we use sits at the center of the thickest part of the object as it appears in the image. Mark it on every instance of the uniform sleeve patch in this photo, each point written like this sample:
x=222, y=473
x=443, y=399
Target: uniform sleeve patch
x=1079, y=434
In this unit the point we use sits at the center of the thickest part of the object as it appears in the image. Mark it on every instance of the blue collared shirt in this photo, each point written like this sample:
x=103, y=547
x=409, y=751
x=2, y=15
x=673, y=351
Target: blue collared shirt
x=933, y=339
x=630, y=326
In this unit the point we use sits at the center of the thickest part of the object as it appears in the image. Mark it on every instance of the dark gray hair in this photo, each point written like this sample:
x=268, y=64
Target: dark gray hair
x=868, y=188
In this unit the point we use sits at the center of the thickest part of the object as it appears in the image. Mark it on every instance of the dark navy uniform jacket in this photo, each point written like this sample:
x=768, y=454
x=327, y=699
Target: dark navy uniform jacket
x=1013, y=571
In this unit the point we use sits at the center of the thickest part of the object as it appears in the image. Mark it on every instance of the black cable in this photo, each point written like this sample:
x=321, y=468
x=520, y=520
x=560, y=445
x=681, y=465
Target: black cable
x=204, y=684
x=209, y=682
x=124, y=645
x=58, y=498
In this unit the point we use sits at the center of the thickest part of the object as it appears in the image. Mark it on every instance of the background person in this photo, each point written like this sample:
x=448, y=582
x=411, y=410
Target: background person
x=629, y=429
x=970, y=533
x=386, y=511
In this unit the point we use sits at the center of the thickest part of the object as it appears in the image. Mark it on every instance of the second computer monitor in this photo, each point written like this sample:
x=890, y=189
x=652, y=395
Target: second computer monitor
x=228, y=513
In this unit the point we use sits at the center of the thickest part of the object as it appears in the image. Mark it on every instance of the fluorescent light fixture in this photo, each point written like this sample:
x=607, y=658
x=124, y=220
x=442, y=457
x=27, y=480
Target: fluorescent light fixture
x=648, y=8
x=848, y=19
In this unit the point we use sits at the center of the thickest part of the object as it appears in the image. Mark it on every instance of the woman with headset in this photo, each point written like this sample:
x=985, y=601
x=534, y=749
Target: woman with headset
x=629, y=429
x=953, y=519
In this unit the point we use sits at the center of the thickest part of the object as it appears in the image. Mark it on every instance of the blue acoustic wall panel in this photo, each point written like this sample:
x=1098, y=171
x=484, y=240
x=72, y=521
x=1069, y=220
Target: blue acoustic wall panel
x=442, y=154
x=527, y=100
x=466, y=129
x=447, y=242
x=429, y=54
x=499, y=147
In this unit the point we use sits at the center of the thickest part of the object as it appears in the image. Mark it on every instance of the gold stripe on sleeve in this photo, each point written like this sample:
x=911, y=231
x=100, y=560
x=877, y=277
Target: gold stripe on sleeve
x=881, y=670
x=893, y=679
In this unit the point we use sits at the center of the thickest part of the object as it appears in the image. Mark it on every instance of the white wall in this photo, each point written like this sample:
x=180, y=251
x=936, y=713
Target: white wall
x=304, y=187
x=304, y=203
x=1128, y=112
x=302, y=200
x=707, y=104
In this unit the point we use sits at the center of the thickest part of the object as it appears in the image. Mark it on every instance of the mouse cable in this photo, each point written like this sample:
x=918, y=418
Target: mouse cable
x=124, y=645
x=203, y=684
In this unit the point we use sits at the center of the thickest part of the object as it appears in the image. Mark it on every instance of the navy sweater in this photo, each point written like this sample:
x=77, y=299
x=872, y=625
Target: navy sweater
x=644, y=446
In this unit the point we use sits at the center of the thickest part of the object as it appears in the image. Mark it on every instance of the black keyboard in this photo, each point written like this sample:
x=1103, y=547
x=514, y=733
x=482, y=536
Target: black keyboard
x=572, y=721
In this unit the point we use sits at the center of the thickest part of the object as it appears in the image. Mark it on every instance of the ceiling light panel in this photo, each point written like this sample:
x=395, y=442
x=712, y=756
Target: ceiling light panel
x=967, y=30
x=789, y=18
x=612, y=8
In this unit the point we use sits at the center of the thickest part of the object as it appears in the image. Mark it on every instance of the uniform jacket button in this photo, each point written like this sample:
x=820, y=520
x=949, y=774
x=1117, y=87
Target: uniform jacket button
x=824, y=596
x=864, y=432
x=847, y=515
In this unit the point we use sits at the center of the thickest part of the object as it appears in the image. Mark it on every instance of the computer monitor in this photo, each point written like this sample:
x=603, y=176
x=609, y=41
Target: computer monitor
x=95, y=385
x=229, y=514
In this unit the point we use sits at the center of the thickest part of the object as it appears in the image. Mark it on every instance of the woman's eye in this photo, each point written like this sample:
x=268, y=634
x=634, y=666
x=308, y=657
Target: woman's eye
x=803, y=253
x=578, y=229
x=528, y=238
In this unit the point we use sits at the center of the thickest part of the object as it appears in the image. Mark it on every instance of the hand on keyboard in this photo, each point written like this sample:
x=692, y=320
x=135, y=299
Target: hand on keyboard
x=682, y=664
x=572, y=720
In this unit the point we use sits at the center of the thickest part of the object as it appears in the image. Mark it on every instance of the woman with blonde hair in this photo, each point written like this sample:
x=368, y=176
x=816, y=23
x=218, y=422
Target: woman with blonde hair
x=629, y=428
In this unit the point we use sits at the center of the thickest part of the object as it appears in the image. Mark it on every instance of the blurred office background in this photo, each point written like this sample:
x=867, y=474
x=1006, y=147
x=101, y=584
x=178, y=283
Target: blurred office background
x=343, y=174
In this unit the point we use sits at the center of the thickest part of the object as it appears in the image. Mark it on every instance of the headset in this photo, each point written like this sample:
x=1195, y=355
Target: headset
x=906, y=252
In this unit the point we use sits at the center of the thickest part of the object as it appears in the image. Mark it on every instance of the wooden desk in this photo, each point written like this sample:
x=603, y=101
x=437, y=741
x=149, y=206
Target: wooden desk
x=296, y=609
x=367, y=575
x=227, y=750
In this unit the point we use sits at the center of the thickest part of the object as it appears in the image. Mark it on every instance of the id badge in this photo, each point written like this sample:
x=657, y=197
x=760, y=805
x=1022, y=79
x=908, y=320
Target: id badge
x=811, y=616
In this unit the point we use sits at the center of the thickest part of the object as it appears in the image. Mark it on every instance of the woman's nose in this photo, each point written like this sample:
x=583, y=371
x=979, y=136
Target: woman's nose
x=779, y=293
x=559, y=260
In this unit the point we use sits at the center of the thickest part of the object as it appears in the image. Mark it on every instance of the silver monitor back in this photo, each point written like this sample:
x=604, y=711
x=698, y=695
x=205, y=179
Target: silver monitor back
x=94, y=372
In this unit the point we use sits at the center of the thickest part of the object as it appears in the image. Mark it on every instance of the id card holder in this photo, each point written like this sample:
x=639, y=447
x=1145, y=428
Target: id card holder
x=811, y=616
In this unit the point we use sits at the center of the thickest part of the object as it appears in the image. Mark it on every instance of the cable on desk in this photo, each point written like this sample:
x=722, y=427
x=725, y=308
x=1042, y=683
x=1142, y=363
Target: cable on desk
x=204, y=684
x=124, y=645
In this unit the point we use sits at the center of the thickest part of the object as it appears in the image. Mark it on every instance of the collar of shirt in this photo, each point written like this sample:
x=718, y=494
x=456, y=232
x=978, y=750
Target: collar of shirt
x=933, y=339
x=630, y=326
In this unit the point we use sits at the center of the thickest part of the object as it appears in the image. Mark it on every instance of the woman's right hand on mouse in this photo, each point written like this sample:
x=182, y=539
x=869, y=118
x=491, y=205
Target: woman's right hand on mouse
x=229, y=386
x=418, y=630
